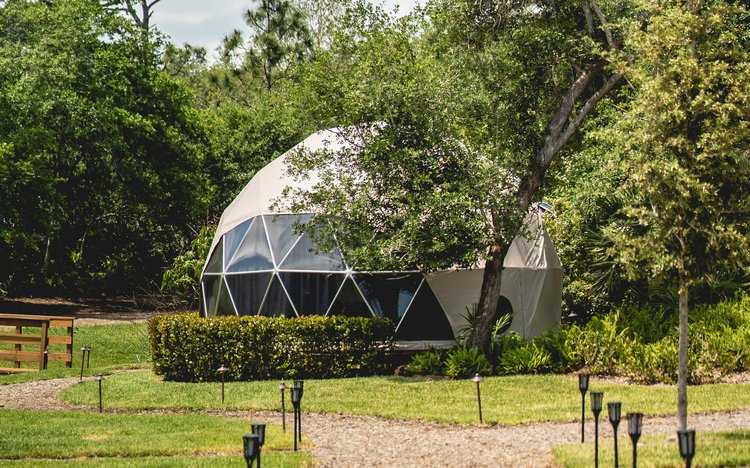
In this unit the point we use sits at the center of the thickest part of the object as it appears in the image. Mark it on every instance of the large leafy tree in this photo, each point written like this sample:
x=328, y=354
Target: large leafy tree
x=686, y=138
x=99, y=154
x=461, y=114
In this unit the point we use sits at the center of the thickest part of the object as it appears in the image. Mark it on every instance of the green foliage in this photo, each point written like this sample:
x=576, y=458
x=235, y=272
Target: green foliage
x=182, y=279
x=465, y=361
x=529, y=358
x=187, y=347
x=426, y=363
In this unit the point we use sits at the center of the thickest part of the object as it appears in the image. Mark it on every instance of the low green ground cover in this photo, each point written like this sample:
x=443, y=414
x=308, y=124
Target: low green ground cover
x=272, y=460
x=506, y=400
x=133, y=439
x=113, y=347
x=712, y=449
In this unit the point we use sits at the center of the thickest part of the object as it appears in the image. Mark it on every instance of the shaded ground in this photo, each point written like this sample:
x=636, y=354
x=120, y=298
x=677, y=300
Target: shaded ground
x=90, y=310
x=341, y=440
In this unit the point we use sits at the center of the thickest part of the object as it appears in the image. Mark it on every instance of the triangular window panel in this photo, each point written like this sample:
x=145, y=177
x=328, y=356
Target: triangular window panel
x=254, y=253
x=277, y=304
x=214, y=262
x=388, y=294
x=248, y=291
x=282, y=232
x=211, y=285
x=312, y=293
x=349, y=302
x=233, y=238
x=306, y=255
x=224, y=307
x=425, y=319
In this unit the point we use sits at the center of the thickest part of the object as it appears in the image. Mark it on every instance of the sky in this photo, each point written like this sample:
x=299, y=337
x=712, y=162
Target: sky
x=203, y=23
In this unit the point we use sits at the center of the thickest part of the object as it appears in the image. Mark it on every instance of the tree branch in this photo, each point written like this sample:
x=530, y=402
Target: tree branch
x=589, y=17
x=589, y=105
x=605, y=25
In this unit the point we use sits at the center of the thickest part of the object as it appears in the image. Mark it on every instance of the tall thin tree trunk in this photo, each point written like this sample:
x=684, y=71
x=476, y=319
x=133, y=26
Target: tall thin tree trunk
x=489, y=298
x=682, y=373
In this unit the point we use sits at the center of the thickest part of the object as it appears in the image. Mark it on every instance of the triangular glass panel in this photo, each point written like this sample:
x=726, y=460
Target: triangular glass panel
x=254, y=253
x=425, y=319
x=224, y=306
x=211, y=285
x=306, y=255
x=282, y=232
x=214, y=262
x=388, y=294
x=233, y=238
x=248, y=291
x=277, y=303
x=349, y=302
x=312, y=293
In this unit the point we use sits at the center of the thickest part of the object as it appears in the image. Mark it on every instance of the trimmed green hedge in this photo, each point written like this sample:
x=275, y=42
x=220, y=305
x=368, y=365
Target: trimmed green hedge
x=187, y=347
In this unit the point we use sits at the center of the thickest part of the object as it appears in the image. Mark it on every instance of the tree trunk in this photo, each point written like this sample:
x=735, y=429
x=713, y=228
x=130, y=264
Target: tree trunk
x=682, y=373
x=489, y=298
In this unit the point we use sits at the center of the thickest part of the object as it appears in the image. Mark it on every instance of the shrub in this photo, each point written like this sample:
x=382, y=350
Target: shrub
x=426, y=363
x=529, y=358
x=465, y=362
x=187, y=347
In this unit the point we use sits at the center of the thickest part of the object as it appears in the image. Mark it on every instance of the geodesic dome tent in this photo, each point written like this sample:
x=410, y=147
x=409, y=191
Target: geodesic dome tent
x=261, y=264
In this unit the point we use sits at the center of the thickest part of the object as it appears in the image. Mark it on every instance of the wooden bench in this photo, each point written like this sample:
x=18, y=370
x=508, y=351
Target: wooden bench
x=42, y=341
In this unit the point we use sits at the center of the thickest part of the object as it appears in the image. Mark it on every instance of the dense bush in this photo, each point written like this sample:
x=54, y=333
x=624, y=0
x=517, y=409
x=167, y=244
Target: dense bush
x=426, y=363
x=465, y=362
x=187, y=347
x=638, y=343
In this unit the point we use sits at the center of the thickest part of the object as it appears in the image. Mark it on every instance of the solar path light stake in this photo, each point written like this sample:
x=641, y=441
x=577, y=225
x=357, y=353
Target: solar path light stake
x=83, y=361
x=282, y=389
x=635, y=425
x=301, y=385
x=583, y=386
x=596, y=408
x=260, y=431
x=251, y=449
x=88, y=357
x=686, y=439
x=296, y=394
x=614, y=409
x=222, y=370
x=477, y=380
x=99, y=378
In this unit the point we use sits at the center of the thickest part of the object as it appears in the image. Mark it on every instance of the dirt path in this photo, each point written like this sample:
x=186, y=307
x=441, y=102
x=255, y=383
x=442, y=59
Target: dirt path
x=348, y=441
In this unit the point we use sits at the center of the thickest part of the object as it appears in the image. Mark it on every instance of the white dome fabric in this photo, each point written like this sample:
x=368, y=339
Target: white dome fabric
x=532, y=277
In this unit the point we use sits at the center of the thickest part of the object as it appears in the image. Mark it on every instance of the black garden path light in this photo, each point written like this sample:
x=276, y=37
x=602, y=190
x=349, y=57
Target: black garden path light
x=282, y=389
x=260, y=431
x=301, y=385
x=596, y=408
x=635, y=426
x=614, y=410
x=686, y=440
x=99, y=378
x=85, y=357
x=296, y=394
x=583, y=386
x=477, y=379
x=222, y=370
x=251, y=449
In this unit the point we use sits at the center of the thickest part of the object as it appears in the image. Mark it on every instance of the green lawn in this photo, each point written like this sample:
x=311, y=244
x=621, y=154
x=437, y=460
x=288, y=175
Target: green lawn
x=113, y=346
x=148, y=440
x=506, y=400
x=712, y=449
x=273, y=460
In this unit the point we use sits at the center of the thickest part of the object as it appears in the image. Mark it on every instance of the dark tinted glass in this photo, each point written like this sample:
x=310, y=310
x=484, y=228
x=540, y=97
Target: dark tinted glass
x=312, y=293
x=232, y=240
x=282, y=233
x=388, y=294
x=214, y=263
x=349, y=302
x=277, y=303
x=306, y=255
x=248, y=291
x=425, y=319
x=254, y=253
x=211, y=293
x=224, y=307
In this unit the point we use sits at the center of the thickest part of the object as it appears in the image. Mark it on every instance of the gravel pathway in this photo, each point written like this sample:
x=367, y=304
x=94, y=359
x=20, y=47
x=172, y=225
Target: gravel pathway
x=353, y=441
